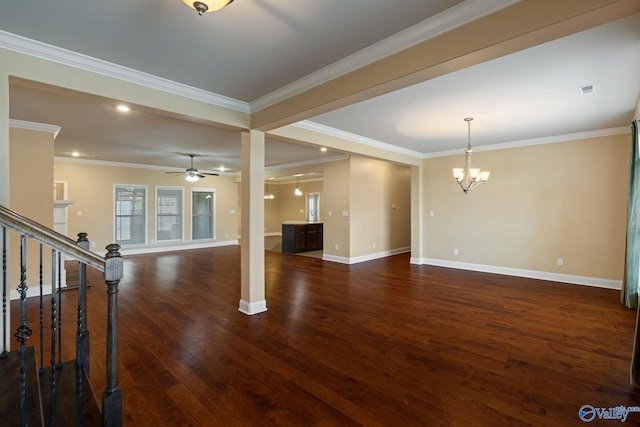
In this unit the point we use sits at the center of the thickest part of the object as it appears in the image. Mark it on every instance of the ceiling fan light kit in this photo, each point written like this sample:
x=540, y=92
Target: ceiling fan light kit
x=192, y=177
x=469, y=178
x=204, y=6
x=192, y=174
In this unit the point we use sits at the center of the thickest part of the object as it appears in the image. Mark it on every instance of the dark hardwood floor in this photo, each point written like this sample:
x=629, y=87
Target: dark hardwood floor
x=381, y=343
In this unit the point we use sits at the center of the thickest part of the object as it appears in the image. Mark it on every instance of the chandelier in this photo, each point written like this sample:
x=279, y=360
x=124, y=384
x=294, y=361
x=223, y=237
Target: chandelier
x=267, y=195
x=297, y=191
x=468, y=177
x=203, y=6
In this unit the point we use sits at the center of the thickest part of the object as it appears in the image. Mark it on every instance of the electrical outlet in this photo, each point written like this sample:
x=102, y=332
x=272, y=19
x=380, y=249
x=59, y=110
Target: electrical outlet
x=374, y=245
x=456, y=252
x=336, y=247
x=560, y=261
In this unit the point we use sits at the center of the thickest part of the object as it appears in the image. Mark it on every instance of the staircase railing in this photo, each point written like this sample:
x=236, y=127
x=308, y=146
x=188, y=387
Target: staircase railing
x=112, y=267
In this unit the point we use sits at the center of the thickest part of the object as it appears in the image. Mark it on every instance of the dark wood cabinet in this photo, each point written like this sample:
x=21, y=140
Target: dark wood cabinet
x=301, y=237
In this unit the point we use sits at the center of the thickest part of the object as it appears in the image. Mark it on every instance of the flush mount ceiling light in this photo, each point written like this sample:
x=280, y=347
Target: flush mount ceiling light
x=468, y=177
x=207, y=5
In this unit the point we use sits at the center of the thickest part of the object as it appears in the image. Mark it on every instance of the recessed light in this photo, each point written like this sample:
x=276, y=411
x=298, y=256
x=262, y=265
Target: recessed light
x=75, y=154
x=123, y=108
x=323, y=149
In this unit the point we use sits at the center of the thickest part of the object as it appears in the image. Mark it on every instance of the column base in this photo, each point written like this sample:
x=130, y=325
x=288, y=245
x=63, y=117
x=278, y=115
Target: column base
x=251, y=308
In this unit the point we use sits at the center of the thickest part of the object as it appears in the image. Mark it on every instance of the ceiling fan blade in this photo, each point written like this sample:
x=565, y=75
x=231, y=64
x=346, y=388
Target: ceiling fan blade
x=175, y=173
x=210, y=174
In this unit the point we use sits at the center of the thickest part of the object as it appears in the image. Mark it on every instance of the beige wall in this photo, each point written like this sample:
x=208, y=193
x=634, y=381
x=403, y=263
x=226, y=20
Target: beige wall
x=31, y=195
x=92, y=187
x=380, y=206
x=336, y=199
x=31, y=174
x=563, y=200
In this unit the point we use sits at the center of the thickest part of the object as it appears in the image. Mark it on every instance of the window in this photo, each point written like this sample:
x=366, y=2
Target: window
x=130, y=214
x=313, y=207
x=203, y=208
x=168, y=213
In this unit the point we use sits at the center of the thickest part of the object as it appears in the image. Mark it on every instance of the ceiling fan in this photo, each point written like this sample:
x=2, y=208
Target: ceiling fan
x=192, y=174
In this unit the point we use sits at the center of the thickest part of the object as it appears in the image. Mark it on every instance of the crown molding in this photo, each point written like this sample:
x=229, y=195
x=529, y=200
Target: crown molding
x=16, y=43
x=536, y=141
x=327, y=130
x=451, y=18
x=40, y=127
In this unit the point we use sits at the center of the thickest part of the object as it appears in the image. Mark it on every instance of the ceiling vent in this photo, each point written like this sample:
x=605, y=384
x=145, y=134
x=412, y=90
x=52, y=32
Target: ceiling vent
x=587, y=89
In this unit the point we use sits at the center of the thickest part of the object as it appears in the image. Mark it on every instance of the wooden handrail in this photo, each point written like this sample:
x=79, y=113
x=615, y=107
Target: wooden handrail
x=112, y=268
x=49, y=237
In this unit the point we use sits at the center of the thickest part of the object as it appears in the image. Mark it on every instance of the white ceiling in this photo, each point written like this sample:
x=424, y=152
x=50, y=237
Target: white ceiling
x=253, y=49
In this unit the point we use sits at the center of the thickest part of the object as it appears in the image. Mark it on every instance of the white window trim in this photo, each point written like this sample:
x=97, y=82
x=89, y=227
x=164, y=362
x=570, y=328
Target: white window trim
x=146, y=211
x=168, y=187
x=203, y=190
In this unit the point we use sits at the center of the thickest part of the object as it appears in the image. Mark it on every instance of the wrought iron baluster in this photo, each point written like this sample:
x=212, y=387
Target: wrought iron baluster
x=54, y=320
x=5, y=317
x=41, y=370
x=59, y=309
x=24, y=332
x=82, y=338
x=83, y=342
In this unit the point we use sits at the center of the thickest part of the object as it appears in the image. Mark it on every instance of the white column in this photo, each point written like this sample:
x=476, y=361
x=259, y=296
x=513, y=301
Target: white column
x=4, y=179
x=252, y=224
x=417, y=215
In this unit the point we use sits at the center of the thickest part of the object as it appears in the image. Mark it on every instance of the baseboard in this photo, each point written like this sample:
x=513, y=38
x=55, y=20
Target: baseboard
x=378, y=255
x=33, y=290
x=335, y=258
x=251, y=308
x=531, y=274
x=365, y=258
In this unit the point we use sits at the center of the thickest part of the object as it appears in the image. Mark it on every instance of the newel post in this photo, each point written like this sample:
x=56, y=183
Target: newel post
x=112, y=395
